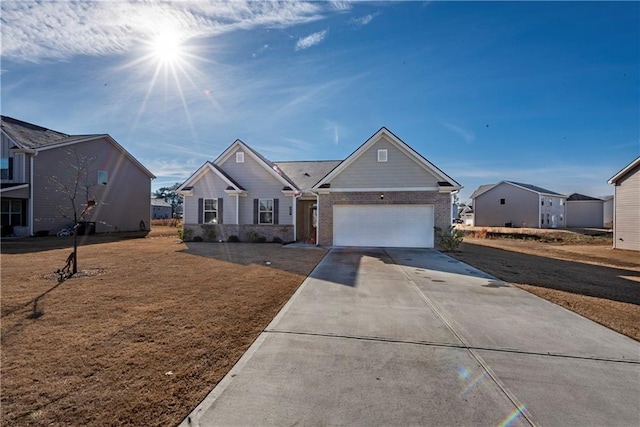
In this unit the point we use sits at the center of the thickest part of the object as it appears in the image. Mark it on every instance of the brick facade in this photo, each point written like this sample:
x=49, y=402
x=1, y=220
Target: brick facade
x=221, y=232
x=440, y=201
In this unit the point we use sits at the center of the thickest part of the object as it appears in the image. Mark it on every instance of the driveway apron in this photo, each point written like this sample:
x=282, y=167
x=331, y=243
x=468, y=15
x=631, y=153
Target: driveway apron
x=414, y=337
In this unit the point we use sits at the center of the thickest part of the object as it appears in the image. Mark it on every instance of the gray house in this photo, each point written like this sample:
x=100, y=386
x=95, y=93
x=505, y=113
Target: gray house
x=608, y=211
x=626, y=210
x=383, y=194
x=514, y=204
x=41, y=168
x=160, y=209
x=584, y=211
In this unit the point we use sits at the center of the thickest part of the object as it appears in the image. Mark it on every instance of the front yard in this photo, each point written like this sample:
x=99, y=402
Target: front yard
x=143, y=335
x=580, y=273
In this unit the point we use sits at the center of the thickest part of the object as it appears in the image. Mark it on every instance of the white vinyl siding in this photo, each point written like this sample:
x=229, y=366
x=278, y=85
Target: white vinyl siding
x=383, y=225
x=400, y=170
x=259, y=184
x=627, y=211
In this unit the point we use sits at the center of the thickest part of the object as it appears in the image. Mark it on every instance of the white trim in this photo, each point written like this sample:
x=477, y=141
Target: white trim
x=624, y=171
x=402, y=146
x=294, y=207
x=237, y=209
x=17, y=187
x=238, y=143
x=371, y=190
x=273, y=213
x=200, y=172
x=383, y=155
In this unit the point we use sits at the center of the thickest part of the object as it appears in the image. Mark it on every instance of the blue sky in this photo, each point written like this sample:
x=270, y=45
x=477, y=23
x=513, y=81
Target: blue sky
x=545, y=93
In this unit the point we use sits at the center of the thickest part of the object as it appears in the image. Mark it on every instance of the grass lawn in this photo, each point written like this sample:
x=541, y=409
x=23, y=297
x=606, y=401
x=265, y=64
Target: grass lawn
x=143, y=333
x=580, y=273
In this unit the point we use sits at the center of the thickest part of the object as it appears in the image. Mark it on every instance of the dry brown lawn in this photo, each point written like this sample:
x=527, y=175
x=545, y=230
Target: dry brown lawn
x=588, y=277
x=142, y=334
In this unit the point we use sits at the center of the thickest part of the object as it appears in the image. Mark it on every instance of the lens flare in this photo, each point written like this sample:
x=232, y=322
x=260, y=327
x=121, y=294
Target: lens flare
x=512, y=416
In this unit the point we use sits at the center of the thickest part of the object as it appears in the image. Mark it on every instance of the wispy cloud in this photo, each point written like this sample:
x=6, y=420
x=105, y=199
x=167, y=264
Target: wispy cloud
x=340, y=5
x=57, y=30
x=171, y=168
x=363, y=20
x=260, y=51
x=468, y=136
x=311, y=40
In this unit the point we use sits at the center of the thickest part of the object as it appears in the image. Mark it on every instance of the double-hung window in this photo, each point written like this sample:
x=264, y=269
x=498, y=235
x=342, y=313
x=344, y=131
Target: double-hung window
x=265, y=211
x=11, y=212
x=210, y=211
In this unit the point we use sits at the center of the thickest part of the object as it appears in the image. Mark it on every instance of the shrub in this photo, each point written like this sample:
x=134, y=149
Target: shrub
x=197, y=239
x=261, y=239
x=276, y=240
x=481, y=234
x=209, y=232
x=233, y=239
x=251, y=236
x=184, y=234
x=449, y=239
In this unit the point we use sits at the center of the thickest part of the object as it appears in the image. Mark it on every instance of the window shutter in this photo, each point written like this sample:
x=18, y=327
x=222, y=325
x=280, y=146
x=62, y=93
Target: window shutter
x=255, y=211
x=220, y=200
x=10, y=167
x=200, y=210
x=276, y=210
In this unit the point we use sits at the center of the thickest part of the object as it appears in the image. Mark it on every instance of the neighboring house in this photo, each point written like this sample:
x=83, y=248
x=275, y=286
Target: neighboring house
x=383, y=194
x=160, y=209
x=626, y=209
x=467, y=215
x=608, y=211
x=584, y=211
x=514, y=204
x=40, y=167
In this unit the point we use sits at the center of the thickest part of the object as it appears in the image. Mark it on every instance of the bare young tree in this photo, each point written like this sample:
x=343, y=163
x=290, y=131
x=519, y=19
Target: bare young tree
x=75, y=184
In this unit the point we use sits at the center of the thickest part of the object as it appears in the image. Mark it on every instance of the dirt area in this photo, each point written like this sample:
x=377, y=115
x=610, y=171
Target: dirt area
x=143, y=333
x=579, y=272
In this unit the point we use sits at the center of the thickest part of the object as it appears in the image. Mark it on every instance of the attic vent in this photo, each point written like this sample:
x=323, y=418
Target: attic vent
x=382, y=156
x=239, y=157
x=306, y=174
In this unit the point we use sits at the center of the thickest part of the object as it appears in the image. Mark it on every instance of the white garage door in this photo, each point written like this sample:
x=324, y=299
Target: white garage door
x=383, y=225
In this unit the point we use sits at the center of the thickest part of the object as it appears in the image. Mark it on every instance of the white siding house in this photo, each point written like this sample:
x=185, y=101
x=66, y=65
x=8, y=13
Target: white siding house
x=626, y=210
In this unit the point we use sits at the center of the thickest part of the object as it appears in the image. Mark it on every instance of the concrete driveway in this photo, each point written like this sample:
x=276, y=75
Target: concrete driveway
x=413, y=337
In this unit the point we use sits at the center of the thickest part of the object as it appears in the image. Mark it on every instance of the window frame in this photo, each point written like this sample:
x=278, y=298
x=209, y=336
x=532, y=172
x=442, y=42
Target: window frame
x=266, y=211
x=503, y=201
x=239, y=156
x=10, y=213
x=206, y=211
x=103, y=177
x=383, y=155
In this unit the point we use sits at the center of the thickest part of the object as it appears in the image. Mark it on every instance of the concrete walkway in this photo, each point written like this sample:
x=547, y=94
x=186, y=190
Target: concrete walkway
x=413, y=337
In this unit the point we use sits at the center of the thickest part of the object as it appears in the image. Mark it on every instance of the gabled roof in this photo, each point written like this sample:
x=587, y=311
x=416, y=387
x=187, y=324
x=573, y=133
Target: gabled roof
x=482, y=189
x=34, y=137
x=263, y=161
x=581, y=197
x=443, y=179
x=535, y=188
x=159, y=202
x=624, y=171
x=208, y=166
x=307, y=173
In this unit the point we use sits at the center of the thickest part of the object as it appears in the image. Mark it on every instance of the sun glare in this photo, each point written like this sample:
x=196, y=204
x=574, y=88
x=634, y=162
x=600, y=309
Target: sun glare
x=167, y=48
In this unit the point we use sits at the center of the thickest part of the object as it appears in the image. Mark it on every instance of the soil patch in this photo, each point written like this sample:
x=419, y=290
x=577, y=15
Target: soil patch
x=144, y=335
x=592, y=280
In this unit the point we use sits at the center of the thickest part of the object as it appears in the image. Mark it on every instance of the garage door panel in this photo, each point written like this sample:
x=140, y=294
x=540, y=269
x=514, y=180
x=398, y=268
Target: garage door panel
x=383, y=225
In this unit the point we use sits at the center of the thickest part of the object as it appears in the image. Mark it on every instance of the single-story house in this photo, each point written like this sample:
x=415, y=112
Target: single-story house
x=42, y=170
x=383, y=194
x=515, y=204
x=584, y=211
x=160, y=209
x=626, y=207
